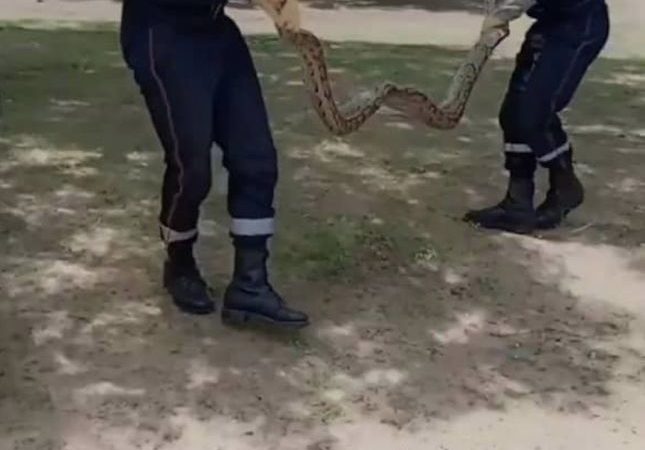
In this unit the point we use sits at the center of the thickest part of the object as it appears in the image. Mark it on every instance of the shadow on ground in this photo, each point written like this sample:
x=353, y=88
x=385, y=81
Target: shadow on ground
x=419, y=320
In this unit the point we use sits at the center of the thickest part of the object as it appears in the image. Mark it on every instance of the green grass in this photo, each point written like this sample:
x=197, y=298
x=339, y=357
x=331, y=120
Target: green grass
x=67, y=90
x=341, y=247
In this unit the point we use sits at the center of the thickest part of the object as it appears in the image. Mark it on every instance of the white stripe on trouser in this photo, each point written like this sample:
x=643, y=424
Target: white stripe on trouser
x=252, y=227
x=555, y=153
x=170, y=235
x=517, y=148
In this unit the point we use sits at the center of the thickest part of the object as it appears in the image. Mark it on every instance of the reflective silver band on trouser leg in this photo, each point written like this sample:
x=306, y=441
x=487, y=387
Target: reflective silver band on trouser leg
x=555, y=153
x=517, y=148
x=169, y=236
x=253, y=227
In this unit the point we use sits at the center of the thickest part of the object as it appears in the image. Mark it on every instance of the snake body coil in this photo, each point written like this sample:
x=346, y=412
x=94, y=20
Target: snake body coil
x=417, y=106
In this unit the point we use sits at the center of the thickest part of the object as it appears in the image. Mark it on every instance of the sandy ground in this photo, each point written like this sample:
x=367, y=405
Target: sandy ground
x=407, y=25
x=485, y=342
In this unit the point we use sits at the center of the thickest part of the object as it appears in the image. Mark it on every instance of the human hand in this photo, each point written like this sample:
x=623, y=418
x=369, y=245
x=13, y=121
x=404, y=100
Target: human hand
x=494, y=27
x=284, y=13
x=492, y=21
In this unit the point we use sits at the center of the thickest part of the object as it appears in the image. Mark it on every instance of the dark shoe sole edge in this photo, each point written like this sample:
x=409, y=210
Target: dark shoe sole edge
x=239, y=317
x=195, y=311
x=528, y=229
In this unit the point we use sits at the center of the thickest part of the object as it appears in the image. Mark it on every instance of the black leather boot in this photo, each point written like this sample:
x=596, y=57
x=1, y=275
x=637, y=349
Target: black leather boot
x=515, y=213
x=564, y=195
x=184, y=283
x=250, y=298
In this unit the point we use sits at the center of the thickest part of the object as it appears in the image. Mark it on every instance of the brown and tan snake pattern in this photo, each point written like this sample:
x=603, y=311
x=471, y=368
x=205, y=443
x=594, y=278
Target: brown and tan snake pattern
x=417, y=106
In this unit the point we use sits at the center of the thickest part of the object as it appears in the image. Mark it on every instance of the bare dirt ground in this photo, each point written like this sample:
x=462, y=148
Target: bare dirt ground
x=426, y=335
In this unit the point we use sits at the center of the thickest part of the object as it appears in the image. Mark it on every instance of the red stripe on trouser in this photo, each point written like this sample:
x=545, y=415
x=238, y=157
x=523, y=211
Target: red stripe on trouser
x=171, y=126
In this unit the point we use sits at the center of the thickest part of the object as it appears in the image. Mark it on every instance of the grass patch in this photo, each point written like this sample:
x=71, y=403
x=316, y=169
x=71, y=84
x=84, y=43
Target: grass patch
x=345, y=247
x=67, y=92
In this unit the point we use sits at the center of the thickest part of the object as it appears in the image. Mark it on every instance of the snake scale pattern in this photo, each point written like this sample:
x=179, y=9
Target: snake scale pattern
x=417, y=106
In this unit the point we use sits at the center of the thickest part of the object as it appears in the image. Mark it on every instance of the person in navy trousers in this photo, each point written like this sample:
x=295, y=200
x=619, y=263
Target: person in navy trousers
x=565, y=39
x=200, y=86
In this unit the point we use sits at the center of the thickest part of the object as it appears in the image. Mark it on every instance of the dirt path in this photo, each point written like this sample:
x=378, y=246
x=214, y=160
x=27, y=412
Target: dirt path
x=406, y=25
x=427, y=334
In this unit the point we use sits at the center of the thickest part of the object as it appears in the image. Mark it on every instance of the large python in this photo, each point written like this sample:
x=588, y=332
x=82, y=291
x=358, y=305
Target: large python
x=417, y=106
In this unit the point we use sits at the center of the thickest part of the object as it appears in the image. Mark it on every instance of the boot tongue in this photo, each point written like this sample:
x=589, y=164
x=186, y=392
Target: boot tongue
x=250, y=267
x=255, y=278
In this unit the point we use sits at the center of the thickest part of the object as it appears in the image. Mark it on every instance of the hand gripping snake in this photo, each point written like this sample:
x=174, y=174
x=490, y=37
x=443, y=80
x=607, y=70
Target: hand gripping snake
x=417, y=106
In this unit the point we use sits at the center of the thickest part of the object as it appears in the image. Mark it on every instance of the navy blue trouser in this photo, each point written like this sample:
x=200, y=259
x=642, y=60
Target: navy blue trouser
x=200, y=86
x=550, y=66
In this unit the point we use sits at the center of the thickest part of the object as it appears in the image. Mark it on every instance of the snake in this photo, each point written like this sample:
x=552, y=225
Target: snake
x=417, y=106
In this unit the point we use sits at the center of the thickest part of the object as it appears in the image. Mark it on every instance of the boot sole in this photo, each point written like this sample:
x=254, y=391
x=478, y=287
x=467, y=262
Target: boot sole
x=518, y=229
x=511, y=229
x=238, y=317
x=195, y=311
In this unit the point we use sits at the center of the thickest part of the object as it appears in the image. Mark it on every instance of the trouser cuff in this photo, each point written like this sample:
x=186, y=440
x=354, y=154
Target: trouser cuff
x=168, y=235
x=564, y=149
x=252, y=233
x=252, y=227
